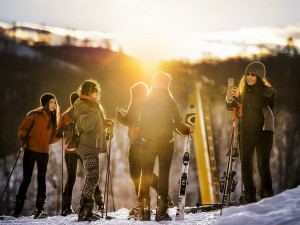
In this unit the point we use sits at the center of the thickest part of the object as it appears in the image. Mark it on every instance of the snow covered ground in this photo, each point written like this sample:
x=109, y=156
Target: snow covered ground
x=282, y=209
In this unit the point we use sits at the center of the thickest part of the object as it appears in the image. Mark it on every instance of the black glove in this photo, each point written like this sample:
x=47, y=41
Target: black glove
x=24, y=138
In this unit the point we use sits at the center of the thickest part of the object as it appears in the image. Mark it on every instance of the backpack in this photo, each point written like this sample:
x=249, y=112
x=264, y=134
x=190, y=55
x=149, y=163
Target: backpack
x=72, y=134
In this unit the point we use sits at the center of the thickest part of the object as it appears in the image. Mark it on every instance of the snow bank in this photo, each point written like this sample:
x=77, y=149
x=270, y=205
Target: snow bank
x=282, y=209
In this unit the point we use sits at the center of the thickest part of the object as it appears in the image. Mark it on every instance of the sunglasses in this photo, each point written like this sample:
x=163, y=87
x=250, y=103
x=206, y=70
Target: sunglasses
x=250, y=74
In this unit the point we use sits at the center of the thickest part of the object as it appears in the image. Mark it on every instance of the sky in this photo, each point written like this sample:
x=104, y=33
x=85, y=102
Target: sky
x=283, y=208
x=153, y=30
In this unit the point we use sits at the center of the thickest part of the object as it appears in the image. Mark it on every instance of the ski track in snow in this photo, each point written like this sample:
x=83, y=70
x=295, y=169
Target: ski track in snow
x=282, y=209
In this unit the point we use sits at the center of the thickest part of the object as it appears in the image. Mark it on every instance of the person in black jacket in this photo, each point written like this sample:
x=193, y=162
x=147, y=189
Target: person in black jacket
x=159, y=116
x=257, y=97
x=138, y=93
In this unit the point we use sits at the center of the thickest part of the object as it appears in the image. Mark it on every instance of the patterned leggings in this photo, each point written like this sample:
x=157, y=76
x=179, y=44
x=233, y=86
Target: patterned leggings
x=91, y=169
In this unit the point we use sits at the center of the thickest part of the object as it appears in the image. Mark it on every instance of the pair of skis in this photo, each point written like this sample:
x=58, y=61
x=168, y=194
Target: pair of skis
x=190, y=119
x=227, y=182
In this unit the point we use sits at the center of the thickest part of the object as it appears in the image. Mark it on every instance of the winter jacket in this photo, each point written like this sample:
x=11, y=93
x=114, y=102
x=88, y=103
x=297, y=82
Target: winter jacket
x=130, y=120
x=91, y=124
x=35, y=128
x=63, y=126
x=257, y=109
x=159, y=117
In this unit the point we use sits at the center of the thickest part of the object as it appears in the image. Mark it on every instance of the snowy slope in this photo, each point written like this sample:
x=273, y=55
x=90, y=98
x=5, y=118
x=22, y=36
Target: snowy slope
x=282, y=209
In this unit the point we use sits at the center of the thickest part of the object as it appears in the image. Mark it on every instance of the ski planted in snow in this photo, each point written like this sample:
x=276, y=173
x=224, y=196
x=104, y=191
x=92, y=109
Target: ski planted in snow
x=227, y=182
x=190, y=119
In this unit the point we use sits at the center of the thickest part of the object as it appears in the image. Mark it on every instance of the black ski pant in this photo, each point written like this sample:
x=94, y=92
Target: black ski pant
x=261, y=141
x=29, y=159
x=135, y=166
x=91, y=169
x=71, y=163
x=149, y=151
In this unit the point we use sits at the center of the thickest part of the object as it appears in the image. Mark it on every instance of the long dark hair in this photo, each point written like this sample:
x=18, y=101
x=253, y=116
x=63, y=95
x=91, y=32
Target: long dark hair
x=260, y=83
x=54, y=116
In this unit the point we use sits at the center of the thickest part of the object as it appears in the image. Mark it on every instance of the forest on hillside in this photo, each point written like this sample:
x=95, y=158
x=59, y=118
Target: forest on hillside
x=28, y=72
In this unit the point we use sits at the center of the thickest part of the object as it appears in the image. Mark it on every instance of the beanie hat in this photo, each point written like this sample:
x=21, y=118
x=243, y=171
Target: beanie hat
x=73, y=97
x=46, y=98
x=256, y=68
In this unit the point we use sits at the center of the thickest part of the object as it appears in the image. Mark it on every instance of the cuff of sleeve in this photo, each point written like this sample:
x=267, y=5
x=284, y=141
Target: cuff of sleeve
x=228, y=100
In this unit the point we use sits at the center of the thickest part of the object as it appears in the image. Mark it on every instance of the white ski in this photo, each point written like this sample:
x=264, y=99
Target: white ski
x=190, y=119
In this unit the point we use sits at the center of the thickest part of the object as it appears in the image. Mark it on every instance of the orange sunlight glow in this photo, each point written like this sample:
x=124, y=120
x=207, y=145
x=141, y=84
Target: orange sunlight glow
x=154, y=43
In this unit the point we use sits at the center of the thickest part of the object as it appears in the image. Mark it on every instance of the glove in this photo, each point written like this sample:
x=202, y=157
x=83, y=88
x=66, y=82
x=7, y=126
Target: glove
x=109, y=123
x=24, y=138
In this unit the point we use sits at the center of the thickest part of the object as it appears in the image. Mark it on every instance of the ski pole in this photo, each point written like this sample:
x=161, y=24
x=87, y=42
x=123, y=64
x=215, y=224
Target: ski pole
x=111, y=189
x=21, y=149
x=62, y=168
x=108, y=177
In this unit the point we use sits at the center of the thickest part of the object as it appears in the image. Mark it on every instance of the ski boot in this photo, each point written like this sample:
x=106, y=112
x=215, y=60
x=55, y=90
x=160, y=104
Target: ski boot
x=162, y=209
x=250, y=196
x=133, y=211
x=266, y=193
x=85, y=212
x=40, y=201
x=99, y=201
x=144, y=212
x=66, y=205
x=19, y=204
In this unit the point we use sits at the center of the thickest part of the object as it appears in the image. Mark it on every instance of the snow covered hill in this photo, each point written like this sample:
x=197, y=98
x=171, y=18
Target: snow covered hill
x=282, y=209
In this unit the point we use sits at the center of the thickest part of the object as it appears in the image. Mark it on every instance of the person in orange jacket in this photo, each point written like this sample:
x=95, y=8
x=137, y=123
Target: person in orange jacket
x=71, y=157
x=36, y=132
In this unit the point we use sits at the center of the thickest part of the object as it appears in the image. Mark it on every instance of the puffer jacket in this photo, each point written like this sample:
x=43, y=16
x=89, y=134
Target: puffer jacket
x=257, y=108
x=91, y=124
x=35, y=127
